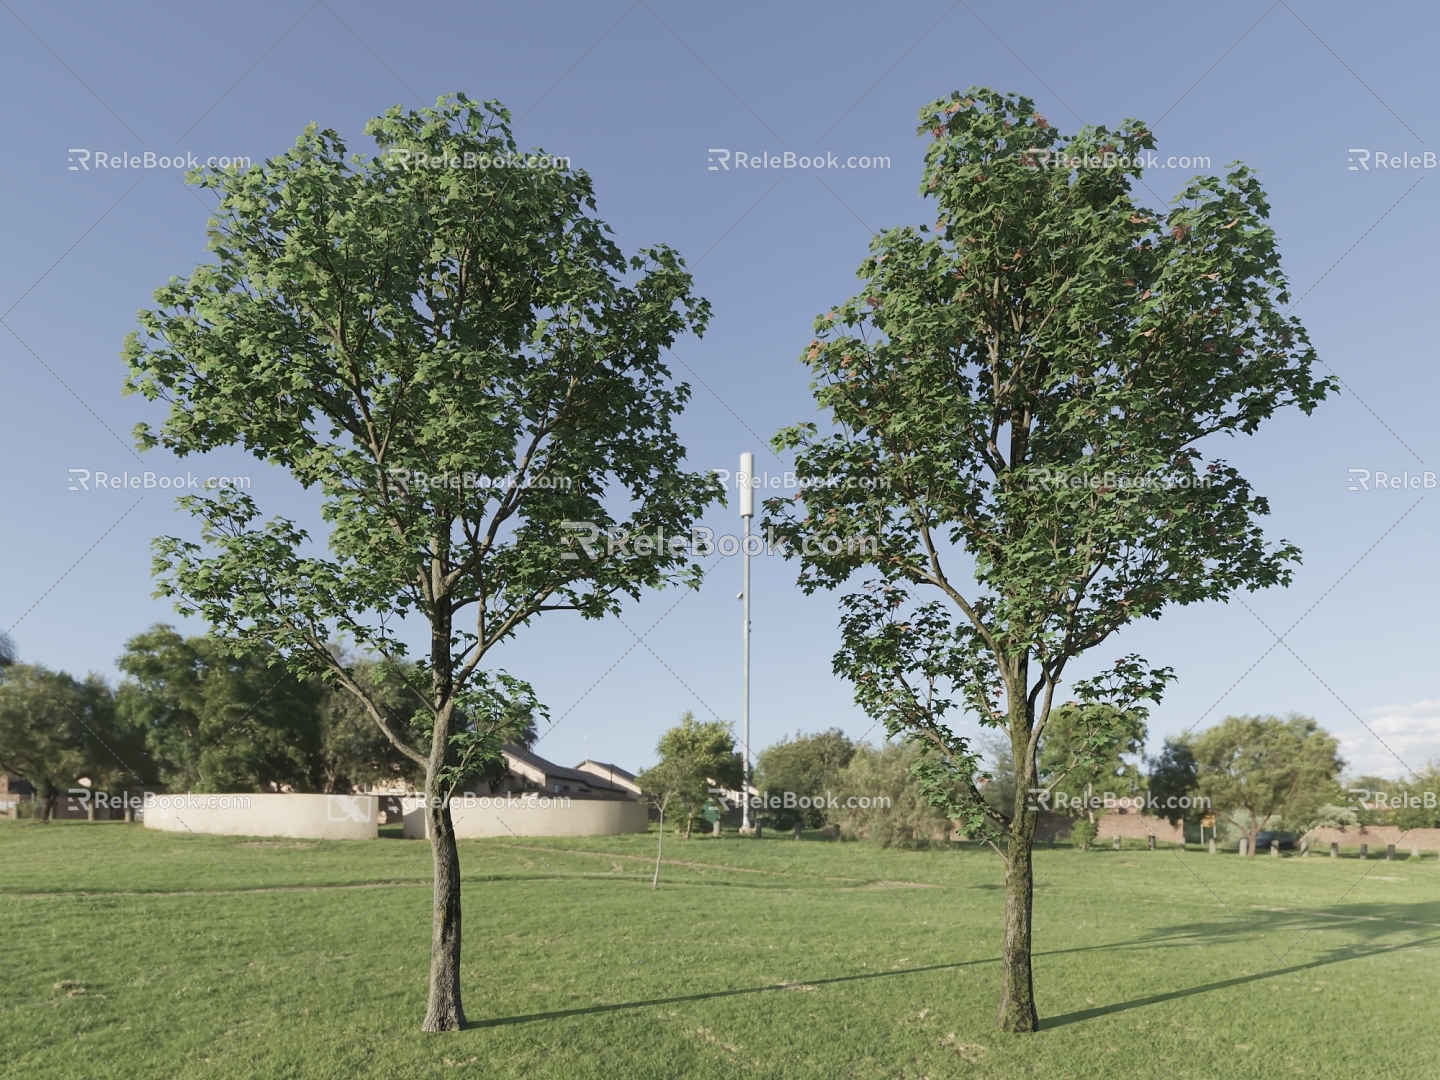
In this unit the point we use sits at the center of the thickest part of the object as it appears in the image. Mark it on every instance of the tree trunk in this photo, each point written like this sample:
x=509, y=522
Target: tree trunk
x=47, y=811
x=1254, y=836
x=444, y=1012
x=659, y=849
x=1017, y=992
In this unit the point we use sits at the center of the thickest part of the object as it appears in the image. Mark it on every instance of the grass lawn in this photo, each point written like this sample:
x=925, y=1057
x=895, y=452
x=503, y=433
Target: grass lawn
x=132, y=953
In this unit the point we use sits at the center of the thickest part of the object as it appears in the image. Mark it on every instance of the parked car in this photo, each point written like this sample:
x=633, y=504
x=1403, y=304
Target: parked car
x=1284, y=839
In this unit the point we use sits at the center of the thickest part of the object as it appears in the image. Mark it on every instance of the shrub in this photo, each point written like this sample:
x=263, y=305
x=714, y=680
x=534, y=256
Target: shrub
x=881, y=775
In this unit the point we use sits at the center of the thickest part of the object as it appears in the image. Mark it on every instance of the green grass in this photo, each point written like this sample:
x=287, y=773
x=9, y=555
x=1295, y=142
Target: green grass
x=131, y=953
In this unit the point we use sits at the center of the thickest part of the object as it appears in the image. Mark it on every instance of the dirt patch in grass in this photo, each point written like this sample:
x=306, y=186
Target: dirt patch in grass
x=292, y=845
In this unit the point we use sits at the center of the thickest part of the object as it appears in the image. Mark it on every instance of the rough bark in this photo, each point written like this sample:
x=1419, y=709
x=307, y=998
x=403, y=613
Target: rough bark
x=1017, y=992
x=444, y=1012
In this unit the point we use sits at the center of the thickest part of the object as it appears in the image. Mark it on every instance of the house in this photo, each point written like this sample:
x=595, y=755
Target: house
x=12, y=790
x=535, y=797
x=611, y=775
x=75, y=804
x=527, y=771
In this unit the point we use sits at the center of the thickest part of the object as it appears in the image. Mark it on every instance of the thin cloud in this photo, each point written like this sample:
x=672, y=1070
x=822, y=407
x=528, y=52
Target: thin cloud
x=1411, y=731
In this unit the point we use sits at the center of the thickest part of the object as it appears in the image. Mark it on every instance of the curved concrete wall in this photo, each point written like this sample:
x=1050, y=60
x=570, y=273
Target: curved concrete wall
x=304, y=817
x=531, y=814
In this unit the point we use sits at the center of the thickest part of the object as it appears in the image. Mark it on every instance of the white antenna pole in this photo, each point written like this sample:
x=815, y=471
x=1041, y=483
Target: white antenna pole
x=744, y=482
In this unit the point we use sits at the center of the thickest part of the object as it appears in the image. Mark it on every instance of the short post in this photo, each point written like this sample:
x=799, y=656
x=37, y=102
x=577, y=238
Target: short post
x=1334, y=849
x=1415, y=851
x=1212, y=845
x=715, y=828
x=89, y=809
x=1151, y=844
x=798, y=827
x=1305, y=849
x=1117, y=843
x=1364, y=851
x=1244, y=846
x=1274, y=848
x=1390, y=852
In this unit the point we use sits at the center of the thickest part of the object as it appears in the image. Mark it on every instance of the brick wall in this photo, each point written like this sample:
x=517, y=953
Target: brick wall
x=1110, y=825
x=1377, y=836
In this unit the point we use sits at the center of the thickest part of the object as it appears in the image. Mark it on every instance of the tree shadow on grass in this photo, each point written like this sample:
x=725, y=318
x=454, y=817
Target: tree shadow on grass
x=561, y=1014
x=1154, y=999
x=1170, y=937
x=1365, y=924
x=1424, y=913
x=590, y=1010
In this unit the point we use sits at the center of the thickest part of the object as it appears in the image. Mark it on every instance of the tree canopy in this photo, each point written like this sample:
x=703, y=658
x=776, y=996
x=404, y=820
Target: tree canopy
x=1410, y=803
x=215, y=721
x=1174, y=775
x=1068, y=764
x=805, y=765
x=1262, y=771
x=56, y=730
x=695, y=756
x=1023, y=403
x=468, y=372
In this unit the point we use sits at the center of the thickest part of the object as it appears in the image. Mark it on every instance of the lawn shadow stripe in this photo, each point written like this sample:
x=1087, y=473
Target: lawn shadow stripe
x=1048, y=1023
x=560, y=1014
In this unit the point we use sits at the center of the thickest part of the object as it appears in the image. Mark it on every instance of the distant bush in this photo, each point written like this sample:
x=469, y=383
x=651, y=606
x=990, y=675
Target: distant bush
x=881, y=775
x=806, y=765
x=1082, y=834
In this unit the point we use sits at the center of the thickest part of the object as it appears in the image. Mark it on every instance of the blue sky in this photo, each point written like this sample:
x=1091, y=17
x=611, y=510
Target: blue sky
x=642, y=97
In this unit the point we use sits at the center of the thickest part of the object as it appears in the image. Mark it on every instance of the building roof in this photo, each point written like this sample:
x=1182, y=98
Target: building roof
x=533, y=767
x=610, y=774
